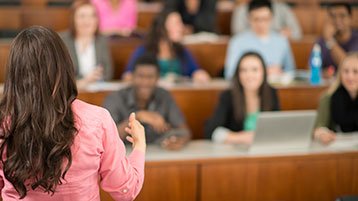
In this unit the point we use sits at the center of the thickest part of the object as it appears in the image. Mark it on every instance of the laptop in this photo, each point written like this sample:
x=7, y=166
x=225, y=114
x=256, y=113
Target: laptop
x=283, y=131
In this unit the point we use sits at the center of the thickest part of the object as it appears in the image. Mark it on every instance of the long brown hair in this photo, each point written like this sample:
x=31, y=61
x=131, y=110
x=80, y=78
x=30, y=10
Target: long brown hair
x=238, y=95
x=37, y=124
x=75, y=6
x=159, y=32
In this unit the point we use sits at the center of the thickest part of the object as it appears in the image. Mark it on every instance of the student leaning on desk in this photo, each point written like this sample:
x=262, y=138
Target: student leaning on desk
x=338, y=109
x=155, y=107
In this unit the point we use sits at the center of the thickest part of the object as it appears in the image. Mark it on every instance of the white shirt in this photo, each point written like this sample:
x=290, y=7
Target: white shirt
x=86, y=58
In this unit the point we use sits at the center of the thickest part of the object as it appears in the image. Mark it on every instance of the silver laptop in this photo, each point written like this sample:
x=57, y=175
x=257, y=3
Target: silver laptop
x=284, y=130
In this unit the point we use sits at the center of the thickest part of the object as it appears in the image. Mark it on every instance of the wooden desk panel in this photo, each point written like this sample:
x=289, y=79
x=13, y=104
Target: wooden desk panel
x=170, y=182
x=294, y=178
x=348, y=182
x=175, y=182
x=54, y=18
x=301, y=51
x=300, y=98
x=277, y=176
x=223, y=22
x=197, y=106
x=220, y=181
x=122, y=50
x=4, y=54
x=10, y=18
x=210, y=56
x=317, y=179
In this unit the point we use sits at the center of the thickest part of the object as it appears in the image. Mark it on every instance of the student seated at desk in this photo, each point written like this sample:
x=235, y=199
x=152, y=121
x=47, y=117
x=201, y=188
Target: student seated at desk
x=164, y=42
x=273, y=47
x=197, y=15
x=116, y=17
x=338, y=109
x=154, y=106
x=234, y=119
x=89, y=50
x=284, y=20
x=338, y=38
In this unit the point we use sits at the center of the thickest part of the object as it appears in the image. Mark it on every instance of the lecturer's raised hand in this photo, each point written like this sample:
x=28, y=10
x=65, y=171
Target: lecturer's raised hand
x=136, y=132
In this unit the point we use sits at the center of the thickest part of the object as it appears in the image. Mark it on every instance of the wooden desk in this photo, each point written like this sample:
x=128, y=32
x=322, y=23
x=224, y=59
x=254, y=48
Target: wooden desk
x=204, y=171
x=198, y=102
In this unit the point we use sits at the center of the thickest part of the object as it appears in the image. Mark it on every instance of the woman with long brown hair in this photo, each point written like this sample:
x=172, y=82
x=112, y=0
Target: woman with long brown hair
x=54, y=146
x=164, y=43
x=234, y=119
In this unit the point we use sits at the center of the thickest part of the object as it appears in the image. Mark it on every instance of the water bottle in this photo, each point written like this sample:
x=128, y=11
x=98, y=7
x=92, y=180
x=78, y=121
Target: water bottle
x=316, y=65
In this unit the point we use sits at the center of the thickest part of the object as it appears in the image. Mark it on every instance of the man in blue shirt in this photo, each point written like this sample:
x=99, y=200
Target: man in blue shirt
x=273, y=47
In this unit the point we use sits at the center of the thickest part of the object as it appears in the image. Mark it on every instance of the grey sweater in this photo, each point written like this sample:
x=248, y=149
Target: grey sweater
x=103, y=56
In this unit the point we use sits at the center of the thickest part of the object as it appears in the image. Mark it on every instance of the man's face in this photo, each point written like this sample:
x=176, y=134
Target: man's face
x=260, y=20
x=145, y=78
x=340, y=18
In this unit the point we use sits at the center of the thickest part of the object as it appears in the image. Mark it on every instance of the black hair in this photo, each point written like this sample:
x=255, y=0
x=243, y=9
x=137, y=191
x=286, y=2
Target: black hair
x=341, y=4
x=146, y=59
x=256, y=4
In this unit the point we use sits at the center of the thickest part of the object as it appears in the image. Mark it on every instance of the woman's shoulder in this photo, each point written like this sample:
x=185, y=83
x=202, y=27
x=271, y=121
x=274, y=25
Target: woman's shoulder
x=185, y=50
x=326, y=96
x=89, y=113
x=102, y=39
x=325, y=100
x=65, y=35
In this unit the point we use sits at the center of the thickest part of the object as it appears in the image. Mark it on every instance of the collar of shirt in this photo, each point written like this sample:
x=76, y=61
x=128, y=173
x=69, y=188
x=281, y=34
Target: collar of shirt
x=86, y=58
x=132, y=102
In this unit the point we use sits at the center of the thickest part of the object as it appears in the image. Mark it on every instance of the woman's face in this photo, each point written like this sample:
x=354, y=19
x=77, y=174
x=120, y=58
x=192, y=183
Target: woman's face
x=86, y=21
x=251, y=73
x=350, y=74
x=174, y=27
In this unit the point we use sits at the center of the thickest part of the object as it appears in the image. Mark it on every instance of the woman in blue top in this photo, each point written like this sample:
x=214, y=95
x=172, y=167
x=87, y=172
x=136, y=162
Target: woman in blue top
x=163, y=42
x=234, y=119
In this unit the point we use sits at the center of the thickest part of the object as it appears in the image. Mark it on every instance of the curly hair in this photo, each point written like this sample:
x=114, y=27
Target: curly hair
x=37, y=124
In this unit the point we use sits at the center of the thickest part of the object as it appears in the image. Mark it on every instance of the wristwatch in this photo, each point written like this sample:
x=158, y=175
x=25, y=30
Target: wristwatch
x=330, y=43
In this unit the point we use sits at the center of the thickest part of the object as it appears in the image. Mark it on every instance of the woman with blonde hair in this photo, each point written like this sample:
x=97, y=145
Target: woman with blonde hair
x=338, y=109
